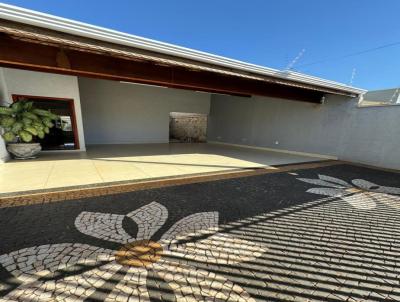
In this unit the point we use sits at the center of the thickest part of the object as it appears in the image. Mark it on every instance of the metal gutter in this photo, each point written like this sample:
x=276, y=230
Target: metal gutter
x=21, y=15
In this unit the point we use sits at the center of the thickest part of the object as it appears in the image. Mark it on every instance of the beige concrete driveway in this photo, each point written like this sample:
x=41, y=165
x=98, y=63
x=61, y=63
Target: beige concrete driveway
x=116, y=163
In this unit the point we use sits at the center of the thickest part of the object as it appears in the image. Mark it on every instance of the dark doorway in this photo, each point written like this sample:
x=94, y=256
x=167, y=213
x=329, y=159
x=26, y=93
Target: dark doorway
x=64, y=135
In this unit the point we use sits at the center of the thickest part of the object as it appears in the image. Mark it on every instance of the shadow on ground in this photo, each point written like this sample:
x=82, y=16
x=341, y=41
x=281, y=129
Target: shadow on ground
x=313, y=235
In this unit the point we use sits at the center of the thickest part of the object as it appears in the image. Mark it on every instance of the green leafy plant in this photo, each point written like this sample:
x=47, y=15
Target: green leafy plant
x=22, y=122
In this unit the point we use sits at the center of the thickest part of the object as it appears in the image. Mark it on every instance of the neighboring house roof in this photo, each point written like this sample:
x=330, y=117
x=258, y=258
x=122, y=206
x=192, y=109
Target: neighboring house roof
x=381, y=97
x=78, y=35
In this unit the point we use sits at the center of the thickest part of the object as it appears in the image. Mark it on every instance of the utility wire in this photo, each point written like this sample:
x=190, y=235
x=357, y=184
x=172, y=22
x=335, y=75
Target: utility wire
x=291, y=64
x=353, y=75
x=350, y=54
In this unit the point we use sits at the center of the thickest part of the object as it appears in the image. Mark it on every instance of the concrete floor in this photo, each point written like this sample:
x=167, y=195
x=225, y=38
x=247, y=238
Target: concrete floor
x=113, y=163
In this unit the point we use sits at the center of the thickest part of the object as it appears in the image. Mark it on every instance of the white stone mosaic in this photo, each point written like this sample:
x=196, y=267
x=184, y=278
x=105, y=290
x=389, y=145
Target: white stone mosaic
x=149, y=219
x=194, y=237
x=191, y=284
x=131, y=288
x=362, y=194
x=103, y=226
x=196, y=224
x=71, y=288
x=219, y=248
x=29, y=264
x=364, y=201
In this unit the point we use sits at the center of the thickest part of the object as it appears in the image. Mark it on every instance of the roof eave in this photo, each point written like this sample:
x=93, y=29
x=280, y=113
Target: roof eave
x=21, y=15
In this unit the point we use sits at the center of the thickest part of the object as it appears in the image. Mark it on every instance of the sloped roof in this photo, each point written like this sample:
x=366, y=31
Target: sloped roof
x=48, y=29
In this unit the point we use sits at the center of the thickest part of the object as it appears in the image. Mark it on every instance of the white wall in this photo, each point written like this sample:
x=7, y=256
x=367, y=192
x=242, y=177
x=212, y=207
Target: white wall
x=47, y=85
x=121, y=113
x=3, y=97
x=337, y=128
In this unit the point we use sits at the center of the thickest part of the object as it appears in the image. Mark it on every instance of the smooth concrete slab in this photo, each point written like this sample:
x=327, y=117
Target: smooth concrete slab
x=114, y=163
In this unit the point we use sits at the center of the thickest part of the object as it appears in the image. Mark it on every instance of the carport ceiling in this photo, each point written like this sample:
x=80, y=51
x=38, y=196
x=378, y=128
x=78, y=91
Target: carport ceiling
x=31, y=48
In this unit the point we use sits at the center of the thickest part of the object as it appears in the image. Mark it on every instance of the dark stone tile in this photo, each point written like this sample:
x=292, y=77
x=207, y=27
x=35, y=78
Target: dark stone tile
x=315, y=246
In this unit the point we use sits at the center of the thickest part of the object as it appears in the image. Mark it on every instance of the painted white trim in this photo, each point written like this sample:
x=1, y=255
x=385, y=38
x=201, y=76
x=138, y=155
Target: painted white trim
x=5, y=156
x=5, y=159
x=276, y=150
x=26, y=16
x=131, y=142
x=377, y=105
x=4, y=94
x=62, y=151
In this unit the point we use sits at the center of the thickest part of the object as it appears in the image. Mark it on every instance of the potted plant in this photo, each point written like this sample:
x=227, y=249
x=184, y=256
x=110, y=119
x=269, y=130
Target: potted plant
x=22, y=124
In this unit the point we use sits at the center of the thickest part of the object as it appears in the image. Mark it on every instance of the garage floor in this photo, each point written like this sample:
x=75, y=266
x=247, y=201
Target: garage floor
x=116, y=163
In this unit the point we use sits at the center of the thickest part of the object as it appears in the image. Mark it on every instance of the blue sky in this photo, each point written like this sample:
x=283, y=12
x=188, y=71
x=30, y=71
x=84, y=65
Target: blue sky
x=266, y=32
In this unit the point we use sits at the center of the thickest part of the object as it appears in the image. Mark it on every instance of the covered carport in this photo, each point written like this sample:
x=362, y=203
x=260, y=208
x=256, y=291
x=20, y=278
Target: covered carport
x=46, y=43
x=123, y=88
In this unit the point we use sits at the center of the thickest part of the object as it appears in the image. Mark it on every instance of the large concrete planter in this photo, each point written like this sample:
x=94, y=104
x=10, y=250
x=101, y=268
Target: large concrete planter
x=24, y=150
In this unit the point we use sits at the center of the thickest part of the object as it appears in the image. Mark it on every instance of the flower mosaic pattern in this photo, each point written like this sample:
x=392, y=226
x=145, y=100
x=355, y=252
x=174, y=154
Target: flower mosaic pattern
x=361, y=194
x=75, y=271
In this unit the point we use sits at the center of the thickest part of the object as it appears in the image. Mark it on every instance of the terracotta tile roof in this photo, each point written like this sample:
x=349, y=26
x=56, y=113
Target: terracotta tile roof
x=49, y=37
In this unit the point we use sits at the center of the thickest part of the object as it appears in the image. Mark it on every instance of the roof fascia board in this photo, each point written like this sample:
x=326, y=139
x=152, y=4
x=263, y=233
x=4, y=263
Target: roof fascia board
x=26, y=16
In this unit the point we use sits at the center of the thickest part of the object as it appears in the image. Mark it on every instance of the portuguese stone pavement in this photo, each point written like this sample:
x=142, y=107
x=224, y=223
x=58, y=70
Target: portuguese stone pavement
x=322, y=234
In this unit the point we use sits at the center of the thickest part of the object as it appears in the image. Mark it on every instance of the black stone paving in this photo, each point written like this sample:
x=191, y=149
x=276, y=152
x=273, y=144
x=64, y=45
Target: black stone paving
x=318, y=248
